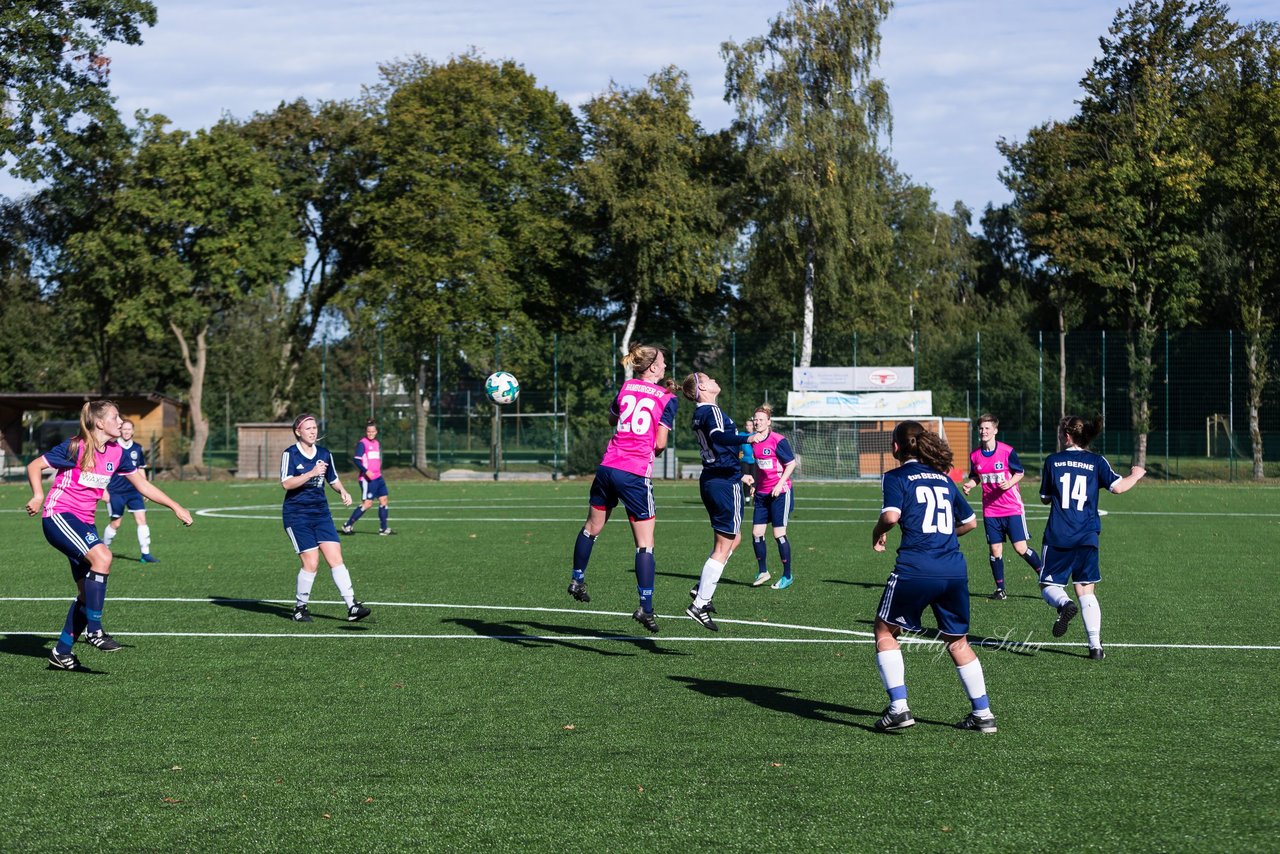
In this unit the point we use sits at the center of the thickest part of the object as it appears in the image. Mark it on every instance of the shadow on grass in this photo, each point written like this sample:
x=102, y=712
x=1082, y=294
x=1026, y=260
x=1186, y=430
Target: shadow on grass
x=870, y=585
x=258, y=606
x=30, y=645
x=511, y=633
x=779, y=700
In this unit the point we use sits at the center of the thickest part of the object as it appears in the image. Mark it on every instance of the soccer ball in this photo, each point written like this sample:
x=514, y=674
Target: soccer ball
x=502, y=387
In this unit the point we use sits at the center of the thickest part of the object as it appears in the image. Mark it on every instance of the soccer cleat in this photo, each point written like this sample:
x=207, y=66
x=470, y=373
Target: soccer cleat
x=703, y=616
x=58, y=661
x=386, y=532
x=301, y=614
x=148, y=557
x=578, y=590
x=761, y=579
x=890, y=721
x=973, y=723
x=356, y=613
x=646, y=619
x=103, y=641
x=1096, y=653
x=347, y=529
x=782, y=583
x=1065, y=613
x=999, y=595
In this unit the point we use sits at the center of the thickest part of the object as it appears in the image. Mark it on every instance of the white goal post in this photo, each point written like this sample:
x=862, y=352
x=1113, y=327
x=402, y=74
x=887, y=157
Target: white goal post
x=844, y=448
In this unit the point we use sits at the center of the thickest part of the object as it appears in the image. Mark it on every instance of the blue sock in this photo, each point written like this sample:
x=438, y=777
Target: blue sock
x=646, y=570
x=762, y=553
x=1033, y=559
x=95, y=598
x=582, y=554
x=382, y=518
x=784, y=552
x=72, y=628
x=355, y=516
x=997, y=569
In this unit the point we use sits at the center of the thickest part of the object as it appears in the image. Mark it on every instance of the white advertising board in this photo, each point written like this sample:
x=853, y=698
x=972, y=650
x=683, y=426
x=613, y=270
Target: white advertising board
x=853, y=379
x=883, y=404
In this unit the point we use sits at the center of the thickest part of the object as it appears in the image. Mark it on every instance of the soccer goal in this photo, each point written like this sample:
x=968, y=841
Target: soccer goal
x=843, y=448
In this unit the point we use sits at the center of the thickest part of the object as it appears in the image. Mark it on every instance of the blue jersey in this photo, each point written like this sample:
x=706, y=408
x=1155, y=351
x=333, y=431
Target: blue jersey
x=747, y=454
x=1071, y=481
x=931, y=507
x=718, y=439
x=308, y=499
x=133, y=454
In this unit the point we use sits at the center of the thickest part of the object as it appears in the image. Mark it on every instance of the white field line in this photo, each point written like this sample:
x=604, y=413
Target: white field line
x=845, y=636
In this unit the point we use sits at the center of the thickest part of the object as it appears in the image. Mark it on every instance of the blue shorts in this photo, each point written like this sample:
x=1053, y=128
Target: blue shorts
x=722, y=496
x=774, y=510
x=1062, y=565
x=307, y=533
x=635, y=492
x=73, y=538
x=1000, y=527
x=371, y=489
x=121, y=501
x=905, y=597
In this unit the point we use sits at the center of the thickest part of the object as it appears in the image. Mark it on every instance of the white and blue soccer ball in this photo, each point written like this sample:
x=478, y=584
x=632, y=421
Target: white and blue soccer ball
x=502, y=387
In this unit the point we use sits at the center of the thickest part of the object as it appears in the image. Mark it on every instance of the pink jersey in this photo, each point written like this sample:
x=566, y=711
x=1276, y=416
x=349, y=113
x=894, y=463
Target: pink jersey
x=78, y=492
x=772, y=456
x=369, y=453
x=640, y=406
x=993, y=470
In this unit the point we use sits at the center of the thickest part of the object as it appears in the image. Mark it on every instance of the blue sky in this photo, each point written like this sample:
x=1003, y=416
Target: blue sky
x=961, y=73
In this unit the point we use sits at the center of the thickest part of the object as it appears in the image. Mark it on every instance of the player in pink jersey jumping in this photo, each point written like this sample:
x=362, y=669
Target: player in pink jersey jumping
x=996, y=466
x=83, y=467
x=643, y=413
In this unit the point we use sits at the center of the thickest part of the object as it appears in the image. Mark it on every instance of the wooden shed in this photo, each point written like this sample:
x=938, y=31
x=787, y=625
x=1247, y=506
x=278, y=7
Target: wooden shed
x=260, y=445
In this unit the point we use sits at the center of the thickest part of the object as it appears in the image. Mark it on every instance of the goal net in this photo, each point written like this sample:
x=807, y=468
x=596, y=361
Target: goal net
x=843, y=448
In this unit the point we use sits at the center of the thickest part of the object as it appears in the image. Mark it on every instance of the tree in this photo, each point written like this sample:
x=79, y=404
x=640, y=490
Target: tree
x=661, y=233
x=810, y=117
x=1118, y=188
x=324, y=157
x=54, y=73
x=198, y=225
x=471, y=214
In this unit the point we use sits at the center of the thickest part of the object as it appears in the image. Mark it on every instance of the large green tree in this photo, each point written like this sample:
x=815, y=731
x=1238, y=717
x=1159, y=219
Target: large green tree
x=1117, y=190
x=470, y=223
x=54, y=73
x=811, y=117
x=662, y=235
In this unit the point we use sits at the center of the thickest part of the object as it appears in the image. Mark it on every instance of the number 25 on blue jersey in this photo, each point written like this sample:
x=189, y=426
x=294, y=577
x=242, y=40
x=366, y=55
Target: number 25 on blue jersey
x=938, y=518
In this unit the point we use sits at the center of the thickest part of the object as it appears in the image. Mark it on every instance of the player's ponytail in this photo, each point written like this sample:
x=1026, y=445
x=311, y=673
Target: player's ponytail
x=912, y=441
x=89, y=415
x=640, y=357
x=1079, y=431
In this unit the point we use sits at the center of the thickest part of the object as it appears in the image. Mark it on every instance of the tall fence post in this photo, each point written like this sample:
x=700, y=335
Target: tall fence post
x=977, y=364
x=1104, y=390
x=1040, y=416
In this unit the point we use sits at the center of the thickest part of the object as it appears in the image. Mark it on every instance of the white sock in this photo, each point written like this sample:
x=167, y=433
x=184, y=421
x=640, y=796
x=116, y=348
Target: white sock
x=975, y=687
x=1092, y=616
x=108, y=535
x=1055, y=595
x=305, y=580
x=144, y=539
x=711, y=572
x=893, y=675
x=342, y=578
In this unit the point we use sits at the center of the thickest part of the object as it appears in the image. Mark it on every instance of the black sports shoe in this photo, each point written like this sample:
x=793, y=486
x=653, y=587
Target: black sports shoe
x=646, y=619
x=1065, y=613
x=578, y=590
x=999, y=595
x=703, y=616
x=357, y=612
x=63, y=662
x=709, y=608
x=386, y=532
x=973, y=723
x=890, y=721
x=103, y=641
x=1096, y=653
x=301, y=614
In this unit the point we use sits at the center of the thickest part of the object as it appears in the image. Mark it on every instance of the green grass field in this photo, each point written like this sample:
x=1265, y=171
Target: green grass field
x=480, y=708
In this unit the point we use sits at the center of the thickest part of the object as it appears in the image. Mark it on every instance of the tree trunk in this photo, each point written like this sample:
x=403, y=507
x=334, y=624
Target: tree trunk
x=1255, y=355
x=195, y=397
x=806, y=343
x=1140, y=344
x=422, y=406
x=630, y=330
x=287, y=374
